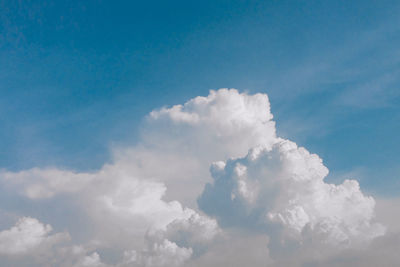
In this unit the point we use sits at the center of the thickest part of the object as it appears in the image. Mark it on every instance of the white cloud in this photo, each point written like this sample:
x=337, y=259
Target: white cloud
x=175, y=151
x=212, y=124
x=124, y=211
x=141, y=209
x=37, y=183
x=281, y=191
x=28, y=235
x=185, y=139
x=164, y=253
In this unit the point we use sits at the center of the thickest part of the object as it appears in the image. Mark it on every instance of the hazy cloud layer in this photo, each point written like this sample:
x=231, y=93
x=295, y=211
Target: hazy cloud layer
x=262, y=202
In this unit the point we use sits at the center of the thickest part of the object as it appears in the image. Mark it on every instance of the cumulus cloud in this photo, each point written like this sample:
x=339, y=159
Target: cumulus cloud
x=123, y=210
x=267, y=194
x=164, y=253
x=281, y=191
x=27, y=235
x=31, y=243
x=186, y=139
x=229, y=115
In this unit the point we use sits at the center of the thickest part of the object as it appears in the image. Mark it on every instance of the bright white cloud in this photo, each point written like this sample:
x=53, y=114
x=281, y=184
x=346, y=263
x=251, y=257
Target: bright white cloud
x=265, y=192
x=32, y=243
x=27, y=235
x=212, y=124
x=122, y=209
x=282, y=191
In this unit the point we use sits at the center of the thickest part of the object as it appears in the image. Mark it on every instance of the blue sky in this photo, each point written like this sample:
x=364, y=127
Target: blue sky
x=77, y=78
x=99, y=168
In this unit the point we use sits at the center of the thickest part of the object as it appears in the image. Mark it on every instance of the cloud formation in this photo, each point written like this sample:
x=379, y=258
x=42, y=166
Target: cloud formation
x=223, y=118
x=28, y=235
x=282, y=191
x=261, y=192
x=123, y=211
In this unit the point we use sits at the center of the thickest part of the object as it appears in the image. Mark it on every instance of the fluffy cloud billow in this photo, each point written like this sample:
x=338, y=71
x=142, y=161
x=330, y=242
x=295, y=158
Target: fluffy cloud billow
x=26, y=236
x=208, y=184
x=281, y=191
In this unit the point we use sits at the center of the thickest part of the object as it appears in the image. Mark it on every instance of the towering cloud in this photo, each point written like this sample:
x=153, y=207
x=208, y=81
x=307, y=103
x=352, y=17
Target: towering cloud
x=281, y=191
x=261, y=192
x=224, y=124
x=178, y=144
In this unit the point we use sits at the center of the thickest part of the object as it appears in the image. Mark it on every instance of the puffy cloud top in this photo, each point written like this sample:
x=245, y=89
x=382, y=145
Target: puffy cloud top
x=141, y=207
x=285, y=186
x=215, y=122
x=27, y=235
x=225, y=107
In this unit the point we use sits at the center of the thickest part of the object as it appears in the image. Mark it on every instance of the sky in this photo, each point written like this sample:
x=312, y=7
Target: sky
x=90, y=126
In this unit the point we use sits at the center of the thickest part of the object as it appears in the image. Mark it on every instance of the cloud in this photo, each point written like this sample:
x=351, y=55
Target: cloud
x=32, y=243
x=236, y=247
x=263, y=201
x=186, y=139
x=123, y=210
x=212, y=124
x=28, y=235
x=281, y=191
x=92, y=260
x=45, y=183
x=165, y=253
